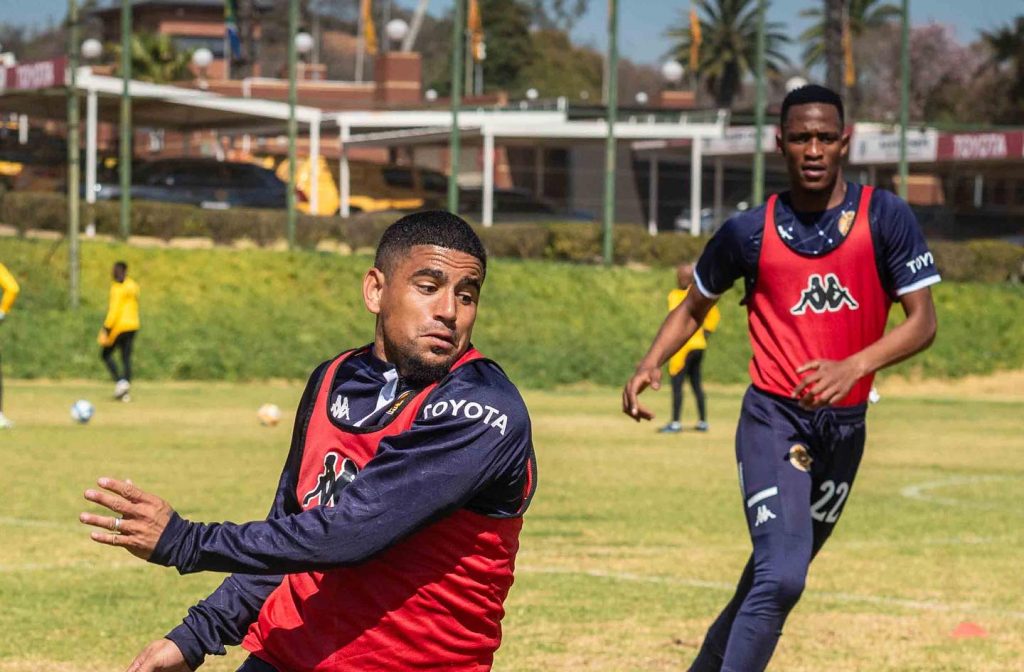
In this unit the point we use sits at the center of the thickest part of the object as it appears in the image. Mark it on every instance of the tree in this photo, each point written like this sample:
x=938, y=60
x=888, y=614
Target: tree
x=832, y=38
x=728, y=46
x=1006, y=47
x=155, y=59
x=557, y=14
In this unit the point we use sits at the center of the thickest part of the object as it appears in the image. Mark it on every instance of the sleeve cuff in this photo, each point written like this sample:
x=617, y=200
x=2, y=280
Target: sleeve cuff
x=702, y=289
x=920, y=284
x=189, y=646
x=170, y=541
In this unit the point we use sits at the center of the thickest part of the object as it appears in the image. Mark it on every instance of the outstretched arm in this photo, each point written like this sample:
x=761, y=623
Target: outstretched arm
x=828, y=381
x=675, y=331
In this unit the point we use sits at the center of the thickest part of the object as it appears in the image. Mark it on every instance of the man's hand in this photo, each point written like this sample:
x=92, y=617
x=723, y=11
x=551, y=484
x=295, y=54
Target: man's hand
x=827, y=383
x=143, y=517
x=644, y=377
x=162, y=655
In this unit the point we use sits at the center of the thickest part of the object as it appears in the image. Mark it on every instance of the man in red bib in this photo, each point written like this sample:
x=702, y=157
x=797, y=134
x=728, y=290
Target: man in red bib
x=822, y=264
x=392, y=538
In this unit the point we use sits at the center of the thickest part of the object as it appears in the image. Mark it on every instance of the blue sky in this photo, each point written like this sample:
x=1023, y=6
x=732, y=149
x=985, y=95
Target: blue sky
x=642, y=22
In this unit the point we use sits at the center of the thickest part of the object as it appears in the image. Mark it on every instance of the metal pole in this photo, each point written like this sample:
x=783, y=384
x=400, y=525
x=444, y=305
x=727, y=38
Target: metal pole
x=343, y=174
x=904, y=97
x=652, y=195
x=91, y=103
x=487, y=217
x=613, y=103
x=455, y=140
x=125, y=162
x=314, y=166
x=696, y=184
x=293, y=26
x=72, y=148
x=757, y=188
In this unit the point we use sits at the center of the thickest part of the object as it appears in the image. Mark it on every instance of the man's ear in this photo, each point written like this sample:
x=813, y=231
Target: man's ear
x=844, y=148
x=778, y=143
x=373, y=289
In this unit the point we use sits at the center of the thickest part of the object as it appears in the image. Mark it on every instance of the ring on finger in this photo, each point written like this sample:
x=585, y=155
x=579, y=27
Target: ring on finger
x=117, y=524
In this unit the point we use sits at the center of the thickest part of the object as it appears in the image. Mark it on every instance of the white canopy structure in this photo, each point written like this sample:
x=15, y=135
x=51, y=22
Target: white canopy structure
x=398, y=128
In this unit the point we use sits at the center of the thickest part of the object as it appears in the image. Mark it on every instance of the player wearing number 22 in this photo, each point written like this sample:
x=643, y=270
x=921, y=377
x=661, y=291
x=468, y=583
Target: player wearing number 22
x=822, y=264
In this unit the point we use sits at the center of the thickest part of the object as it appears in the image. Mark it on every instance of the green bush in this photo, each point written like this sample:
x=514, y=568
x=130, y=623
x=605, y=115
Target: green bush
x=257, y=314
x=979, y=260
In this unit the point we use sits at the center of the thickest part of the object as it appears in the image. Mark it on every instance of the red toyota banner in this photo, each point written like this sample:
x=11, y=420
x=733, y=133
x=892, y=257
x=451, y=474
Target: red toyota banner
x=981, y=146
x=36, y=75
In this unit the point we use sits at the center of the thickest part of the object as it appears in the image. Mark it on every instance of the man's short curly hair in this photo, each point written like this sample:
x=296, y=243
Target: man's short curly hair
x=430, y=227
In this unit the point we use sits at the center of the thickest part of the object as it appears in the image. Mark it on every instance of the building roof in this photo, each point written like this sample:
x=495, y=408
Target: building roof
x=114, y=6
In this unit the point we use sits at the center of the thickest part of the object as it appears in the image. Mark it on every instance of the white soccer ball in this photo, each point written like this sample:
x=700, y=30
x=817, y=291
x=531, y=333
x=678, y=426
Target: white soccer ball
x=269, y=415
x=82, y=411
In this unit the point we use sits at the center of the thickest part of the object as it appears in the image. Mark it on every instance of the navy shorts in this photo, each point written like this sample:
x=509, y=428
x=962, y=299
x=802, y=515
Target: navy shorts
x=796, y=467
x=254, y=664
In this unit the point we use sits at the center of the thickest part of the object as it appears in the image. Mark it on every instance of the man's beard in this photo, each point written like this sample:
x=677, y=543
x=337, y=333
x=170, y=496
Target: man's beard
x=413, y=369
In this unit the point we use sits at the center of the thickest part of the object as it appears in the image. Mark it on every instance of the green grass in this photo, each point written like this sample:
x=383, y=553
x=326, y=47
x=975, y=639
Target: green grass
x=632, y=544
x=226, y=314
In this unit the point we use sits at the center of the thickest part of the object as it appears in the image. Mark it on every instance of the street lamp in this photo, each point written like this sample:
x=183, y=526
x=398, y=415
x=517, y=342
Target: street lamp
x=672, y=71
x=396, y=30
x=641, y=98
x=794, y=83
x=531, y=93
x=201, y=58
x=430, y=95
x=303, y=43
x=91, y=49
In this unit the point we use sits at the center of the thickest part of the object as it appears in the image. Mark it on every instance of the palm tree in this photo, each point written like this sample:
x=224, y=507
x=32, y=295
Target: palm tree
x=728, y=48
x=155, y=59
x=864, y=15
x=1006, y=45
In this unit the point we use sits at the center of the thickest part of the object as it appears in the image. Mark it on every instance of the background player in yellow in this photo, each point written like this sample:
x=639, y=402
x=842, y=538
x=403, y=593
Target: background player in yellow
x=11, y=289
x=688, y=361
x=119, y=329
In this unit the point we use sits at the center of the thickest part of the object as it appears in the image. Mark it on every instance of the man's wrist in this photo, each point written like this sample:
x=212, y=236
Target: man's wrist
x=860, y=365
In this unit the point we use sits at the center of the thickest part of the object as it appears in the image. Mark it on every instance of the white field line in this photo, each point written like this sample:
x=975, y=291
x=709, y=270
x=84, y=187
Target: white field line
x=920, y=605
x=923, y=491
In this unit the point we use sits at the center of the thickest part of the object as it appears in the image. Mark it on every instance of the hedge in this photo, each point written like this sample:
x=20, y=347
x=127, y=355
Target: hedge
x=976, y=260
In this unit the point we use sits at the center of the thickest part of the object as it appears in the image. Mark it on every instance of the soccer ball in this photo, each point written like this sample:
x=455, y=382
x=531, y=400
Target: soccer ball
x=269, y=415
x=81, y=411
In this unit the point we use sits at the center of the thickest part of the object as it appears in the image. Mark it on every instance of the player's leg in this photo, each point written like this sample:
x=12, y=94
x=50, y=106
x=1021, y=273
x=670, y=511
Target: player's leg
x=694, y=365
x=677, y=403
x=835, y=470
x=126, y=354
x=775, y=497
x=107, y=355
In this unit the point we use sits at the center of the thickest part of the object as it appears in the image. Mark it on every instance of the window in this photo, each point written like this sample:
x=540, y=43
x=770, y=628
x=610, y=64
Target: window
x=398, y=177
x=432, y=181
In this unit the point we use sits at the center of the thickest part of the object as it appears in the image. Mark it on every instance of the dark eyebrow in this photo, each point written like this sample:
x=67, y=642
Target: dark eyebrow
x=432, y=273
x=473, y=282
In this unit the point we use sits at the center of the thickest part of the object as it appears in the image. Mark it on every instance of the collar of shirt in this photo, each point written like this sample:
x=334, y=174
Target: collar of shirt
x=364, y=389
x=816, y=233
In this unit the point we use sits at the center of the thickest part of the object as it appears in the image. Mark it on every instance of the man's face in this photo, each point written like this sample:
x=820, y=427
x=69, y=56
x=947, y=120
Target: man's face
x=118, y=273
x=814, y=144
x=425, y=308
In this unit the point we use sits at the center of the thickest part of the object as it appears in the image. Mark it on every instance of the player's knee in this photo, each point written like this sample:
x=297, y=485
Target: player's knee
x=779, y=591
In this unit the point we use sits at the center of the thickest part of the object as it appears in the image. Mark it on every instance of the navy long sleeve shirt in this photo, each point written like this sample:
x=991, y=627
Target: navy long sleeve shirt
x=448, y=459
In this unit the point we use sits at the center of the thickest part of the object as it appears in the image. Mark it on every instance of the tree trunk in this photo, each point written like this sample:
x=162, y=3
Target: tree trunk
x=833, y=37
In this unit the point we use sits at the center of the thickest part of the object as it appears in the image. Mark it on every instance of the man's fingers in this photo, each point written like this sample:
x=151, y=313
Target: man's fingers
x=126, y=489
x=106, y=538
x=115, y=503
x=813, y=364
x=103, y=522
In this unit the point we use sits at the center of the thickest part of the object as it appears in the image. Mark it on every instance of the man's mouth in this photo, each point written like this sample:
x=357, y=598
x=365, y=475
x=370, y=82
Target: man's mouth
x=813, y=171
x=440, y=339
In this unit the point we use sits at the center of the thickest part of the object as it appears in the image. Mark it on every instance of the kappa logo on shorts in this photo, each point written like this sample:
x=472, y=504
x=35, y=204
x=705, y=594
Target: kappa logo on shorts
x=799, y=457
x=824, y=294
x=330, y=483
x=764, y=514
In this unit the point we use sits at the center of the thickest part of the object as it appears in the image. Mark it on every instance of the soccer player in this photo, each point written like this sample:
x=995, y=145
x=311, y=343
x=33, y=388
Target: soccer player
x=689, y=360
x=393, y=533
x=119, y=329
x=821, y=264
x=10, y=289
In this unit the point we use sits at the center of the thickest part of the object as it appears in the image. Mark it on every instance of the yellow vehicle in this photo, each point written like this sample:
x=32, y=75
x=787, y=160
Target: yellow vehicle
x=374, y=187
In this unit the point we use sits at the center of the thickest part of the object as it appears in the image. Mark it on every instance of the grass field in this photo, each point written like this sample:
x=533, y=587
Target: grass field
x=632, y=544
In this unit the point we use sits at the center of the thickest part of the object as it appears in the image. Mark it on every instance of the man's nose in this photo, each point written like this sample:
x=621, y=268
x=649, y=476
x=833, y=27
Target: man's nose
x=445, y=307
x=815, y=147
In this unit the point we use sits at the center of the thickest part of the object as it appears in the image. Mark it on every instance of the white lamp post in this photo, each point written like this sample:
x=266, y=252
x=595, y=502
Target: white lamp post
x=91, y=49
x=303, y=43
x=201, y=58
x=672, y=71
x=641, y=98
x=396, y=30
x=794, y=83
x=532, y=94
x=430, y=95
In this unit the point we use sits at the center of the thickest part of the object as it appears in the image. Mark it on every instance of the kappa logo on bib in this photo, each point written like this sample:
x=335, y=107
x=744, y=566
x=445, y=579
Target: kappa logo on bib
x=824, y=294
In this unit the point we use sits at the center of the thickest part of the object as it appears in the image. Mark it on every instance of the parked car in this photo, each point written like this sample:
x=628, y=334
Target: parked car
x=207, y=183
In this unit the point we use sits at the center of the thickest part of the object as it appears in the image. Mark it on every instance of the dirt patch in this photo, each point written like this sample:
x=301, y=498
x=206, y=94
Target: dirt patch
x=1003, y=385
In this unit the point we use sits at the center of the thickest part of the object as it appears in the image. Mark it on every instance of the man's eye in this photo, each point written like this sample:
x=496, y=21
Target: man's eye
x=467, y=299
x=427, y=288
